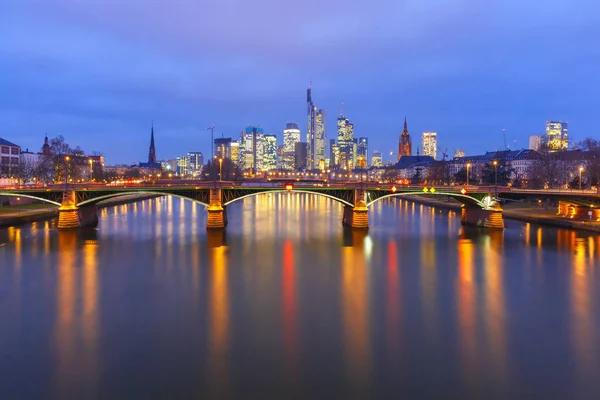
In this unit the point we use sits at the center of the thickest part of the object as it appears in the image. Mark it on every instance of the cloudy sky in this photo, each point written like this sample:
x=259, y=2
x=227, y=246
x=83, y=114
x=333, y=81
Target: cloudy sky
x=99, y=71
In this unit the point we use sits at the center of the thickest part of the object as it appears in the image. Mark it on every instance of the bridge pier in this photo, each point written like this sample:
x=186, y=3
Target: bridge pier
x=490, y=218
x=70, y=216
x=217, y=213
x=357, y=217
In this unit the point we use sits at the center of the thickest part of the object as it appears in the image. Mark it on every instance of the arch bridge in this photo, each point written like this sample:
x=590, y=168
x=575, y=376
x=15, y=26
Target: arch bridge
x=77, y=207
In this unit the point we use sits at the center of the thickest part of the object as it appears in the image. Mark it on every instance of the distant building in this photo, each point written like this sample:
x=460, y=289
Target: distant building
x=363, y=149
x=195, y=163
x=9, y=160
x=536, y=142
x=269, y=158
x=429, y=144
x=151, y=166
x=346, y=143
x=459, y=153
x=280, y=156
x=404, y=145
x=223, y=148
x=557, y=137
x=251, y=148
x=235, y=152
x=300, y=150
x=334, y=153
x=315, y=134
x=169, y=166
x=291, y=136
x=376, y=159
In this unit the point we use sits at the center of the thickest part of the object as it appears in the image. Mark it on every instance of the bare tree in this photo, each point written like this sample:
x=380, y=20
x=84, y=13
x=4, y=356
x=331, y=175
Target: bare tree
x=390, y=175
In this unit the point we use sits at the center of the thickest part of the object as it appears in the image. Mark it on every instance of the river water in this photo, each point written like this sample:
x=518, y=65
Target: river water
x=286, y=304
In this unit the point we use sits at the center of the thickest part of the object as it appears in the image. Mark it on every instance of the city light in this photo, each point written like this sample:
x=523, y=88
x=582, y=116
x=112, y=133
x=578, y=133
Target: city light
x=289, y=186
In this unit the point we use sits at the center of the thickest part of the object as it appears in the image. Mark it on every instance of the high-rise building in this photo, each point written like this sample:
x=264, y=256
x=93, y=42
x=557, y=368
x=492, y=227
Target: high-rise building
x=557, y=137
x=363, y=149
x=195, y=163
x=376, y=159
x=404, y=145
x=291, y=136
x=459, y=153
x=316, y=136
x=269, y=157
x=235, y=152
x=300, y=150
x=223, y=148
x=320, y=140
x=182, y=166
x=346, y=143
x=535, y=142
x=429, y=144
x=251, y=147
x=280, y=156
x=334, y=153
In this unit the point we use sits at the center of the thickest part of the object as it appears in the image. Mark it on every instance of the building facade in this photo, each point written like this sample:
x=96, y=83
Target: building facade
x=291, y=136
x=300, y=150
x=223, y=148
x=376, y=159
x=404, y=145
x=269, y=156
x=557, y=137
x=316, y=136
x=346, y=157
x=363, y=149
x=429, y=144
x=535, y=142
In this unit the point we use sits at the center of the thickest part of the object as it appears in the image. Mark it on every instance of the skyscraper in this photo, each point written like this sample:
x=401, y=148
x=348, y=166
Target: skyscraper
x=223, y=148
x=235, y=152
x=346, y=143
x=300, y=151
x=404, y=145
x=251, y=148
x=557, y=138
x=291, y=136
x=429, y=144
x=315, y=134
x=334, y=153
x=269, y=157
x=363, y=149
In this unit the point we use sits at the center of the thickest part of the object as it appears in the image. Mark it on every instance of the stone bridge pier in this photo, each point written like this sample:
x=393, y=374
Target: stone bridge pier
x=489, y=217
x=357, y=217
x=70, y=216
x=217, y=213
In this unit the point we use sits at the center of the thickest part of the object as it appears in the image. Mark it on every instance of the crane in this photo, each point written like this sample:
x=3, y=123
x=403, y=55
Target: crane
x=444, y=153
x=212, y=140
x=504, y=136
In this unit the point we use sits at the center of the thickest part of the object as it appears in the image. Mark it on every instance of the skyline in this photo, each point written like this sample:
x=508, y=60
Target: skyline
x=98, y=73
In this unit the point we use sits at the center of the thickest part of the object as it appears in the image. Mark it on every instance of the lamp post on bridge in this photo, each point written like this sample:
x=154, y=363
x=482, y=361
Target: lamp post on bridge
x=468, y=167
x=580, y=173
x=220, y=170
x=67, y=158
x=496, y=176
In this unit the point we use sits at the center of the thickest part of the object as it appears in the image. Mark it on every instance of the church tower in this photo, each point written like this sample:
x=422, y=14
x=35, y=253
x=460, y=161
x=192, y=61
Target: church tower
x=152, y=152
x=405, y=146
x=46, y=147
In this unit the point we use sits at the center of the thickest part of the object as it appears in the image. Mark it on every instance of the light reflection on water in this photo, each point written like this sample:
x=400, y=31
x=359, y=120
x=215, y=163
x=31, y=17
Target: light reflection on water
x=287, y=301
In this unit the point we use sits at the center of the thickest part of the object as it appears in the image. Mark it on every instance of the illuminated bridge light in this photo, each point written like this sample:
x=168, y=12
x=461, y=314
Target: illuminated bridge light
x=394, y=189
x=463, y=191
x=289, y=186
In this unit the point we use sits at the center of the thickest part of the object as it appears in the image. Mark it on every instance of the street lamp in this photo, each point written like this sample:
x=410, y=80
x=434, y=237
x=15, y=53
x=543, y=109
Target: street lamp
x=91, y=168
x=468, y=166
x=496, y=176
x=220, y=169
x=67, y=158
x=580, y=172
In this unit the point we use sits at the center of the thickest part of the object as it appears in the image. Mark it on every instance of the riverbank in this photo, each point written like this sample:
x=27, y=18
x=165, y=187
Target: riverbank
x=27, y=213
x=531, y=213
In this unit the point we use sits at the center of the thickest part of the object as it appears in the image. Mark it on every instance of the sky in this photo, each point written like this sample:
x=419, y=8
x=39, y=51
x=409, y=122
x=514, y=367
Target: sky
x=99, y=72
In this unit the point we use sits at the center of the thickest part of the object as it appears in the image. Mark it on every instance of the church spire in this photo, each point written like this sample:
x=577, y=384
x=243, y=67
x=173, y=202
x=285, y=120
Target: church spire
x=152, y=151
x=405, y=128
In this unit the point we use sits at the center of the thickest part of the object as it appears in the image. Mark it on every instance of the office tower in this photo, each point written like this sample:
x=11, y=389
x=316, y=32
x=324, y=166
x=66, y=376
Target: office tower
x=182, y=166
x=535, y=142
x=429, y=144
x=404, y=145
x=194, y=164
x=376, y=159
x=280, y=156
x=235, y=152
x=346, y=143
x=223, y=148
x=320, y=140
x=316, y=136
x=459, y=153
x=252, y=148
x=363, y=149
x=334, y=153
x=556, y=136
x=291, y=136
x=269, y=156
x=300, y=150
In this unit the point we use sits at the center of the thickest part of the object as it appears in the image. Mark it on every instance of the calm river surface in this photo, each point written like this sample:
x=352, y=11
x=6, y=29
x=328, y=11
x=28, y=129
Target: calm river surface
x=286, y=304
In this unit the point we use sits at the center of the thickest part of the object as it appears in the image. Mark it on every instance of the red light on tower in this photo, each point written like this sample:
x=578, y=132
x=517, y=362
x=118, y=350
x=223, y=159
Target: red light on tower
x=394, y=189
x=289, y=186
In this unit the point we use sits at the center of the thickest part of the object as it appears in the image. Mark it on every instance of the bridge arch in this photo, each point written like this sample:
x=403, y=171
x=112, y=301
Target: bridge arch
x=9, y=194
x=98, y=199
x=317, y=193
x=464, y=199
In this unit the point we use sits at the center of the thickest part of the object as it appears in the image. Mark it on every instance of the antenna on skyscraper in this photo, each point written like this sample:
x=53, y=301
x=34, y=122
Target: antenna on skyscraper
x=342, y=108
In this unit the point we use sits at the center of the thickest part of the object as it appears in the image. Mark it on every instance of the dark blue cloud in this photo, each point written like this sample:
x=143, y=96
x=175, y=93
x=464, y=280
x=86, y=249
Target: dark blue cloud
x=98, y=72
